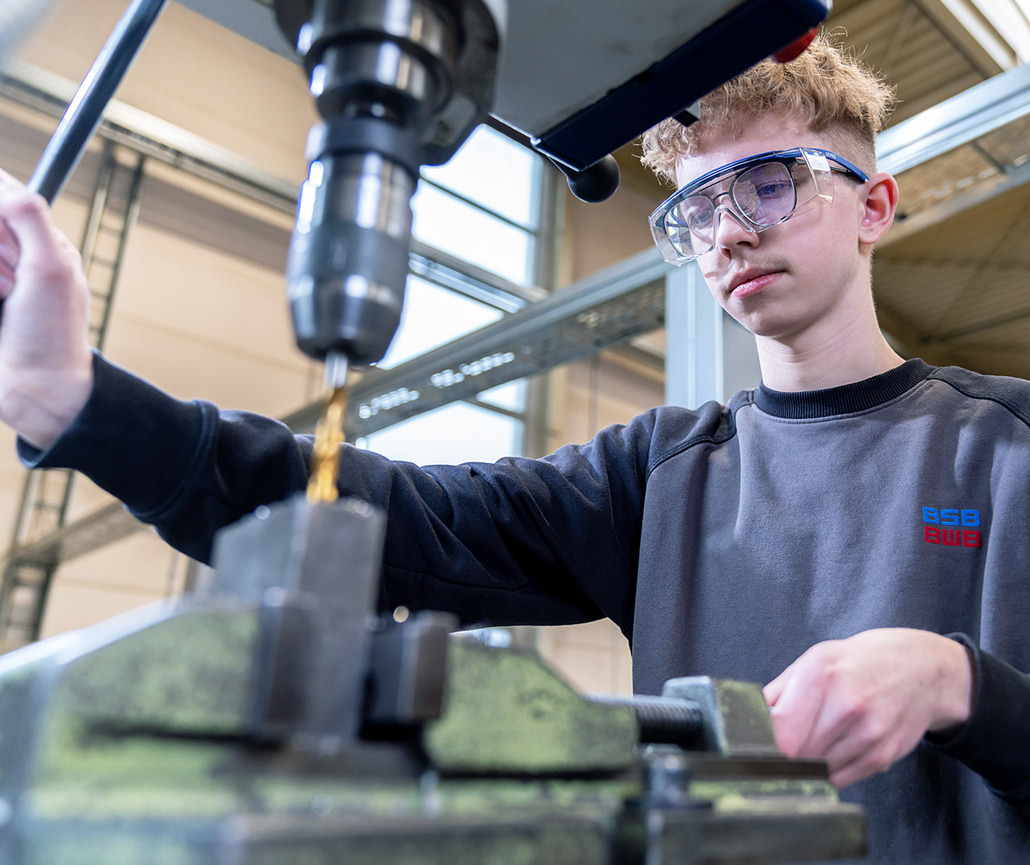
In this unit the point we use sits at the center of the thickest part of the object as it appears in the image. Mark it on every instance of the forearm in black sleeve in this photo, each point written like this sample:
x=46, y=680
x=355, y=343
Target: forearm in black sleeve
x=180, y=466
x=995, y=742
x=534, y=541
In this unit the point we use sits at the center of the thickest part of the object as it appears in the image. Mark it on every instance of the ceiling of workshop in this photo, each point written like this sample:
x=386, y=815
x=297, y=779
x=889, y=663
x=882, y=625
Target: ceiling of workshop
x=958, y=290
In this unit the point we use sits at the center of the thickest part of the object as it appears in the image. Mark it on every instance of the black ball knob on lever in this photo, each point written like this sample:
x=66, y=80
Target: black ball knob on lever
x=594, y=184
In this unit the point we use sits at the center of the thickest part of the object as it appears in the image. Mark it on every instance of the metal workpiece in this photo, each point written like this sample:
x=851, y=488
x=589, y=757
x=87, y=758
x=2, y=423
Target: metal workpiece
x=330, y=551
x=313, y=570
x=736, y=720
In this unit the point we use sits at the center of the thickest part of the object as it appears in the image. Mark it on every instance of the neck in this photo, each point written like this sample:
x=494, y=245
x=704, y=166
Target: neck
x=841, y=348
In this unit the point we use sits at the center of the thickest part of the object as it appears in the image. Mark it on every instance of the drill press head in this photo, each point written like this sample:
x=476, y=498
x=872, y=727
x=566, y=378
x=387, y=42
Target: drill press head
x=398, y=84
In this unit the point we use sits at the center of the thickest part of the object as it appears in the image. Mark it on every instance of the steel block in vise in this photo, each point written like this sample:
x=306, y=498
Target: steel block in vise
x=313, y=571
x=736, y=720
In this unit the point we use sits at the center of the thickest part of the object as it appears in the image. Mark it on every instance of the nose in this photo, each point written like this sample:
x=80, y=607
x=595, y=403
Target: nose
x=731, y=230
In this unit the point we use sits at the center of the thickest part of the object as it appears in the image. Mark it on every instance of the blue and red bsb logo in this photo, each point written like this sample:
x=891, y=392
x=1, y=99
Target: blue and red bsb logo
x=952, y=527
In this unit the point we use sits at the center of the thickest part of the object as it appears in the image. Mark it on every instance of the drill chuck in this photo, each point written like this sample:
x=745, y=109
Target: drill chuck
x=380, y=71
x=349, y=256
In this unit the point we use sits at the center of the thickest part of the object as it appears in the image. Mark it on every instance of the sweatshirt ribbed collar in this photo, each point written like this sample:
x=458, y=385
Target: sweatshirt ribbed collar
x=848, y=398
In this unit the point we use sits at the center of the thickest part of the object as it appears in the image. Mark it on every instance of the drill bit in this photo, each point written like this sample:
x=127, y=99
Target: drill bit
x=325, y=457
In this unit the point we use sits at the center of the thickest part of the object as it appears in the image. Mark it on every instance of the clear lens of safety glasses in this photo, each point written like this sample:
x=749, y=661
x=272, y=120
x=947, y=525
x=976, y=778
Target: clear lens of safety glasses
x=761, y=197
x=760, y=192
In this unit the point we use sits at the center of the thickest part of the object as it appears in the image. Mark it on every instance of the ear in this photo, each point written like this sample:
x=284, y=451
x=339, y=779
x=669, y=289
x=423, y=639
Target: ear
x=878, y=202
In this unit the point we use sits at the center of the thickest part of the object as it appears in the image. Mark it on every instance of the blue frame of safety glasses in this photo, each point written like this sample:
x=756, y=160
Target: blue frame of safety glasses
x=657, y=218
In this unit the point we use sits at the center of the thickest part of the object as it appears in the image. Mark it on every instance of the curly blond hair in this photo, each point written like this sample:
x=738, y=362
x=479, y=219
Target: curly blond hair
x=826, y=88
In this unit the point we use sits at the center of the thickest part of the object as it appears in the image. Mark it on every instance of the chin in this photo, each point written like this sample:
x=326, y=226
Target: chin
x=771, y=327
x=773, y=317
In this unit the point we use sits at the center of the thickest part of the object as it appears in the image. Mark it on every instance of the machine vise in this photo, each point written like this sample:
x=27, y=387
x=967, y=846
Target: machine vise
x=275, y=718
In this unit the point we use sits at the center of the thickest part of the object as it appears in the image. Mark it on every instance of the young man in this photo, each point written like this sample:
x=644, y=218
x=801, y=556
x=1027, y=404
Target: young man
x=822, y=533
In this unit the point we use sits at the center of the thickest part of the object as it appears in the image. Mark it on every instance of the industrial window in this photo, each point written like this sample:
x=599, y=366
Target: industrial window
x=434, y=315
x=483, y=208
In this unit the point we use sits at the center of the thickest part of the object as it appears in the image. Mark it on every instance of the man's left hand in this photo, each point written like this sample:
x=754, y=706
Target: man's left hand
x=863, y=703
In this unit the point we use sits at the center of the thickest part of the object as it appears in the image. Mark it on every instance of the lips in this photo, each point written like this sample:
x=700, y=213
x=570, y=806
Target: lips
x=752, y=281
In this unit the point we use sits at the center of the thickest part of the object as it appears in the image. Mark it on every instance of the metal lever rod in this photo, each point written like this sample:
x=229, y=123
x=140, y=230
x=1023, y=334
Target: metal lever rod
x=86, y=109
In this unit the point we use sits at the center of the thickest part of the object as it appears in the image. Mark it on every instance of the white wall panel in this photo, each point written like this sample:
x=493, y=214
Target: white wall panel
x=136, y=571
x=194, y=74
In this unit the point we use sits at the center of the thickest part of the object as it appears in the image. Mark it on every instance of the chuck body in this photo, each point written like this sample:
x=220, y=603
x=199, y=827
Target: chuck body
x=349, y=256
x=380, y=71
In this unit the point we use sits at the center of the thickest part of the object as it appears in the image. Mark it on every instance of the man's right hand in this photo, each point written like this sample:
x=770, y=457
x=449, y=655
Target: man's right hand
x=46, y=367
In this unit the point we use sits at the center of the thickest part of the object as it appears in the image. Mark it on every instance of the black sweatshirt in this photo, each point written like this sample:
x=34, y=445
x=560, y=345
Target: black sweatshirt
x=723, y=541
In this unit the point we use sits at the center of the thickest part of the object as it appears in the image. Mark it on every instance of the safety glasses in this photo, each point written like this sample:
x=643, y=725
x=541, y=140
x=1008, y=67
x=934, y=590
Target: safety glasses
x=759, y=192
